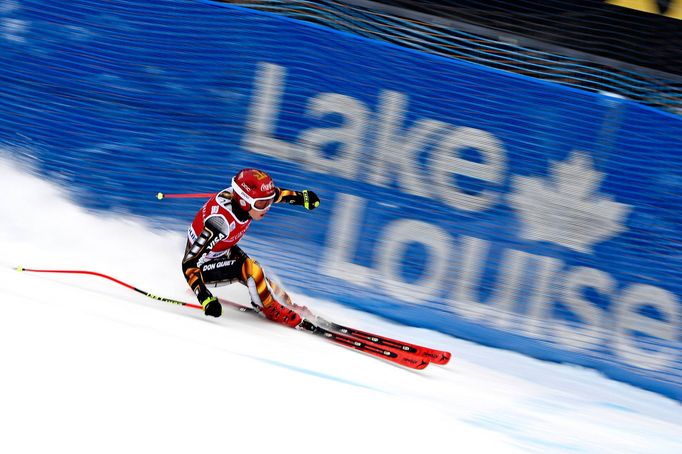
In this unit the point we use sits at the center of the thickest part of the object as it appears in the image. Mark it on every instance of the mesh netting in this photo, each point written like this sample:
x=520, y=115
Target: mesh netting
x=435, y=35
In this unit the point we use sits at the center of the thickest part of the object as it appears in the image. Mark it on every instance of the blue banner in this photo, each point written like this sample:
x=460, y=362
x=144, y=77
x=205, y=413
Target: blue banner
x=489, y=206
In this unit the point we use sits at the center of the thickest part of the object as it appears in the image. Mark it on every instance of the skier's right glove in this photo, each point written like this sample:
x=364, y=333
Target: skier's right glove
x=212, y=307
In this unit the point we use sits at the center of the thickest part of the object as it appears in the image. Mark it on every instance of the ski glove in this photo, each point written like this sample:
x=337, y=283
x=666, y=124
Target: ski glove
x=212, y=307
x=307, y=198
x=310, y=199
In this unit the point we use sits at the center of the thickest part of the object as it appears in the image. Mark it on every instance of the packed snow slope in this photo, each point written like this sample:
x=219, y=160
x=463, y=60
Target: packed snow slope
x=91, y=366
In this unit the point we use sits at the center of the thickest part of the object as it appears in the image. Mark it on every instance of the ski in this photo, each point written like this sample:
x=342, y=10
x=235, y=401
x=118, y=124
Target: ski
x=368, y=341
x=403, y=358
x=439, y=357
x=388, y=353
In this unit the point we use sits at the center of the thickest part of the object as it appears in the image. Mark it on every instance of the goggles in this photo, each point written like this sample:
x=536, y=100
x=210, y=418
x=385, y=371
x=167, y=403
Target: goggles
x=258, y=204
x=262, y=204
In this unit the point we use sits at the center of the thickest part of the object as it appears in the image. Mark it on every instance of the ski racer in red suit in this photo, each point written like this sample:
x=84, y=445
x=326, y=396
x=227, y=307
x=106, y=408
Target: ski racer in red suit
x=212, y=256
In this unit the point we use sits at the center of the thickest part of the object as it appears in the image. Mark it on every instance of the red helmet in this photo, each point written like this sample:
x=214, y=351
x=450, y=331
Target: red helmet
x=253, y=188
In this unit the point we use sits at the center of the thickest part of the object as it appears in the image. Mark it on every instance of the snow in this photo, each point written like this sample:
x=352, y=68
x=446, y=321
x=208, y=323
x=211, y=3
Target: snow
x=91, y=366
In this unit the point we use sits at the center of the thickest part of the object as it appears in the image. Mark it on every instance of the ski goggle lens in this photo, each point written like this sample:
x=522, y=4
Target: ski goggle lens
x=262, y=204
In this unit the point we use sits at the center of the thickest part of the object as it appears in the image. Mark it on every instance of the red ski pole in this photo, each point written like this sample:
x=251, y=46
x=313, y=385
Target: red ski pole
x=92, y=273
x=161, y=196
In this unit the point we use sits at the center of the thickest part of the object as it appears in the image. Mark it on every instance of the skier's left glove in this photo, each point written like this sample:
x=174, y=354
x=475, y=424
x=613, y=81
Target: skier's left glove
x=310, y=200
x=212, y=307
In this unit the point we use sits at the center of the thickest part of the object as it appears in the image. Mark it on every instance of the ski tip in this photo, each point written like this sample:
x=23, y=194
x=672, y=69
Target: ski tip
x=439, y=357
x=159, y=195
x=422, y=364
x=19, y=268
x=414, y=361
x=444, y=358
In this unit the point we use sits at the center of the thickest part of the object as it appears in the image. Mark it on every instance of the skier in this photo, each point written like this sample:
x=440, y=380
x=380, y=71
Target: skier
x=212, y=256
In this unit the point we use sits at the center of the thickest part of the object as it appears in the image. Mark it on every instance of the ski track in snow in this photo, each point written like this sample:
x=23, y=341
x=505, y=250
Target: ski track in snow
x=90, y=366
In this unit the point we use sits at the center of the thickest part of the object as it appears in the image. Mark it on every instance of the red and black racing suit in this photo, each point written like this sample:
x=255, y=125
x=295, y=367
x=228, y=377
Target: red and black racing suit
x=212, y=256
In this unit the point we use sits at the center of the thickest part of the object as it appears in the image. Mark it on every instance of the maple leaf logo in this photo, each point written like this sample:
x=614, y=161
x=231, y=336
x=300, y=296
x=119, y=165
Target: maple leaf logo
x=567, y=209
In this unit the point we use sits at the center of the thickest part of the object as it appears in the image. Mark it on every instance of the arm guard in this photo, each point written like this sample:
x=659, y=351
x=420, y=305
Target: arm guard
x=288, y=196
x=307, y=198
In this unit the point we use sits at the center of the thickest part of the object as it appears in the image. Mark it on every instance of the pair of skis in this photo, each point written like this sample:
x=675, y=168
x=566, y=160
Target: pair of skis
x=398, y=352
x=405, y=354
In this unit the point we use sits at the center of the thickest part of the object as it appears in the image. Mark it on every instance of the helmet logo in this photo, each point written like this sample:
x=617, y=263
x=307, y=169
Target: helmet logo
x=259, y=175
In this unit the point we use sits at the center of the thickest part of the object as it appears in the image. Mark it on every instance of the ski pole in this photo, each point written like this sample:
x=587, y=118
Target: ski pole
x=161, y=196
x=92, y=273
